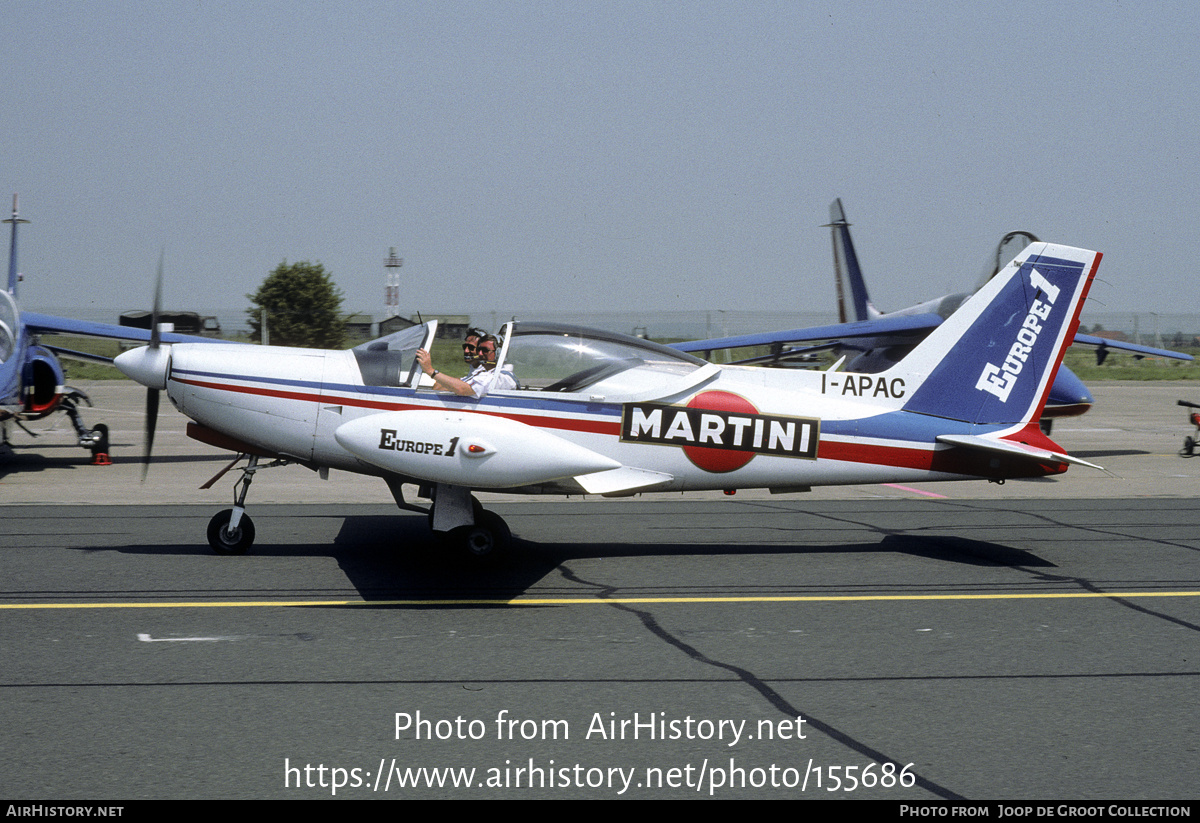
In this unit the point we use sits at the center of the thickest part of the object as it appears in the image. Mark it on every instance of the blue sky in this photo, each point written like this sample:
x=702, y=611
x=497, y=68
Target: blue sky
x=583, y=156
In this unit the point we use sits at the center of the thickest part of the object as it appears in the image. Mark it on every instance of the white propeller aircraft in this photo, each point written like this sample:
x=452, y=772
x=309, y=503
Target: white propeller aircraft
x=602, y=413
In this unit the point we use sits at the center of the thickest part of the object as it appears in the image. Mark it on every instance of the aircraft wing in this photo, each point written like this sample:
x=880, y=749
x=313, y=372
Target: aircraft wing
x=72, y=354
x=1105, y=343
x=916, y=324
x=51, y=324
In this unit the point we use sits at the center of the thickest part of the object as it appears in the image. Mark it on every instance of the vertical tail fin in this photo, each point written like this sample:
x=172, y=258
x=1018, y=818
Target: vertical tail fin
x=846, y=272
x=994, y=360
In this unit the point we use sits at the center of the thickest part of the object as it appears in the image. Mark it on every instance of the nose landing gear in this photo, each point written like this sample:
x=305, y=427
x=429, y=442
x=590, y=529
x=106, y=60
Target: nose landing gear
x=232, y=531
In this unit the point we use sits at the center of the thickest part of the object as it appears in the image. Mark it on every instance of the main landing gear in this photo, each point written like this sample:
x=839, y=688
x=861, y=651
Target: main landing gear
x=95, y=440
x=489, y=536
x=468, y=527
x=456, y=516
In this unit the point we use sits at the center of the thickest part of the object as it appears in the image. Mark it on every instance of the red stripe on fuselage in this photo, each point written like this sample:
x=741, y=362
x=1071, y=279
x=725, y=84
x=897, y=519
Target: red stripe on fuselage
x=948, y=461
x=567, y=424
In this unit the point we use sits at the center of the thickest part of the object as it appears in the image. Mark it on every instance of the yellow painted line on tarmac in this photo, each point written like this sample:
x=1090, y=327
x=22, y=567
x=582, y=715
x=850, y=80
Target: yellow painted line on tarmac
x=595, y=601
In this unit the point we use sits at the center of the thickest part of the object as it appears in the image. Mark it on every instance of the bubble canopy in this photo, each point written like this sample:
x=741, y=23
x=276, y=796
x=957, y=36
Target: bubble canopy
x=554, y=357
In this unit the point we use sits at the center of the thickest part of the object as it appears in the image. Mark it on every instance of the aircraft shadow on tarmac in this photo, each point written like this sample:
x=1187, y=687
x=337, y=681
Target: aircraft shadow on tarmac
x=395, y=557
x=66, y=457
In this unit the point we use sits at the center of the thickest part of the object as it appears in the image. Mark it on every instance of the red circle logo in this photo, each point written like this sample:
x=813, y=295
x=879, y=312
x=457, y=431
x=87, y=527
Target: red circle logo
x=713, y=459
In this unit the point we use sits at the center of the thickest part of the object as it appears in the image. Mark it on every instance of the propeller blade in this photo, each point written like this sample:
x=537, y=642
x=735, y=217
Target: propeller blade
x=151, y=424
x=155, y=334
x=152, y=394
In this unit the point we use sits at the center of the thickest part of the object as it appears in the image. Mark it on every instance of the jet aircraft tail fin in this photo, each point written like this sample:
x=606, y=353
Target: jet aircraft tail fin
x=846, y=272
x=994, y=360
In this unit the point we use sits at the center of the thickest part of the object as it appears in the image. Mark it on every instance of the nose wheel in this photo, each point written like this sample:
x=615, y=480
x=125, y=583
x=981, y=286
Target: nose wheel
x=230, y=539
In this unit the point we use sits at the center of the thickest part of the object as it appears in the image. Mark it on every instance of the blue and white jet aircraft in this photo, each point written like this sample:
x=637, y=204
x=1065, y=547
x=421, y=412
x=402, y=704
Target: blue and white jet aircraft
x=602, y=413
x=874, y=341
x=31, y=376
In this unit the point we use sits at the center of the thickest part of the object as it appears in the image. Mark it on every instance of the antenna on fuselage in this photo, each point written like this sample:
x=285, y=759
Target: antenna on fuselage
x=13, y=277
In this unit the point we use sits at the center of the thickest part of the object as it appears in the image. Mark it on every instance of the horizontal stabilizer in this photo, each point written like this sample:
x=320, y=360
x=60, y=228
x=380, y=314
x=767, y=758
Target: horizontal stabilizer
x=621, y=480
x=1012, y=449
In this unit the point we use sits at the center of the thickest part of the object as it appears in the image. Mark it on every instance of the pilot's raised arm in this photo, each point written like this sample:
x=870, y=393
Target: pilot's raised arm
x=481, y=379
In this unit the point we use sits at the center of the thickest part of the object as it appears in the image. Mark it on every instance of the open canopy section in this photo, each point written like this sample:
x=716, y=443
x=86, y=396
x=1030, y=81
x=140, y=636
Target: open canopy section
x=391, y=360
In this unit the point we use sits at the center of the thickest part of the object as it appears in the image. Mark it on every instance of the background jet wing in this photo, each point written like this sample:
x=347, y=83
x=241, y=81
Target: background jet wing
x=1105, y=343
x=51, y=324
x=72, y=354
x=916, y=324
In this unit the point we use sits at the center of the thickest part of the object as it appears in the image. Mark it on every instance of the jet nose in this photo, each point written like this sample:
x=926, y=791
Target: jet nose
x=148, y=366
x=1068, y=396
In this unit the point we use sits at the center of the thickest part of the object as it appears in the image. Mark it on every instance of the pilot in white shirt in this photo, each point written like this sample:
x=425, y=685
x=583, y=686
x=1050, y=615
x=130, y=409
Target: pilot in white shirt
x=482, y=379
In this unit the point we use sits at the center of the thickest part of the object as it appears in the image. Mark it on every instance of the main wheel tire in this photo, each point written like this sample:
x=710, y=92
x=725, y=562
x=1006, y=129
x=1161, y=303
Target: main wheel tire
x=488, y=538
x=225, y=542
x=1189, y=447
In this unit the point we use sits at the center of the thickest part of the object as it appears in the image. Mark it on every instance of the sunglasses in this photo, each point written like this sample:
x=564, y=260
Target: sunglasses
x=468, y=347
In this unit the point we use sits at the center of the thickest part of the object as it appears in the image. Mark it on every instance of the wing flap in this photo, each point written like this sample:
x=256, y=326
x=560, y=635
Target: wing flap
x=624, y=479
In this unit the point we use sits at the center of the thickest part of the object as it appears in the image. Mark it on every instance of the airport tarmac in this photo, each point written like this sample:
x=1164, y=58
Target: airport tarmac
x=956, y=641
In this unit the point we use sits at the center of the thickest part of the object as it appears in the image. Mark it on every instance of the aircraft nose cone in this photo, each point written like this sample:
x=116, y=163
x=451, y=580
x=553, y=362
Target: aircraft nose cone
x=146, y=365
x=1068, y=391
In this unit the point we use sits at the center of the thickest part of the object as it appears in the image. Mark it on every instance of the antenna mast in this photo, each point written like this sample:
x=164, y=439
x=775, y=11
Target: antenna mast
x=13, y=276
x=391, y=284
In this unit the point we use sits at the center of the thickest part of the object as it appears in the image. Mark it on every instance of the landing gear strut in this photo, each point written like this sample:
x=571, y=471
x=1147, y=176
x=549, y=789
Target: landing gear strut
x=95, y=440
x=232, y=531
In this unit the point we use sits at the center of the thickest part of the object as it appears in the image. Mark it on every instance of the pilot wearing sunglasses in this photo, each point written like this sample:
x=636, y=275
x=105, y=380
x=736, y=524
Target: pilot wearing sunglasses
x=482, y=378
x=471, y=344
